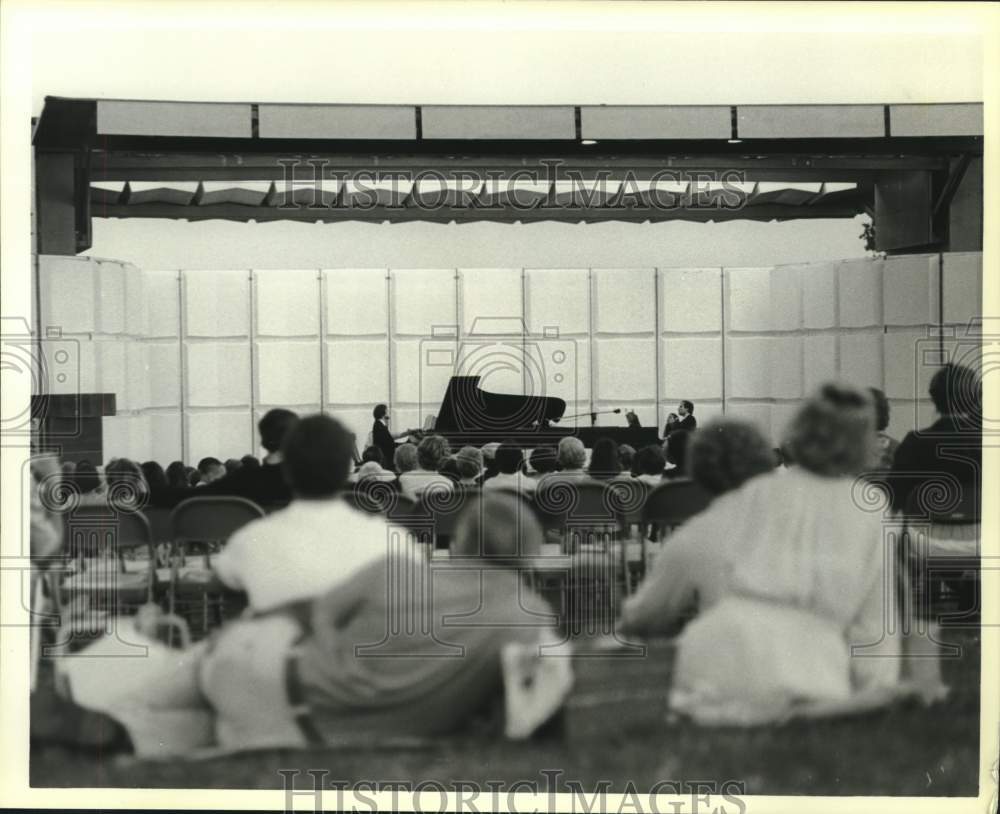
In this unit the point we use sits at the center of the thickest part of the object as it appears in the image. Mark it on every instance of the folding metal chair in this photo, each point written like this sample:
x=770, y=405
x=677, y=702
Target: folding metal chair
x=943, y=538
x=113, y=562
x=200, y=526
x=671, y=504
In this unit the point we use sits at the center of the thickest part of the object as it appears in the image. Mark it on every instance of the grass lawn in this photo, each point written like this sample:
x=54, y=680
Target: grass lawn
x=615, y=730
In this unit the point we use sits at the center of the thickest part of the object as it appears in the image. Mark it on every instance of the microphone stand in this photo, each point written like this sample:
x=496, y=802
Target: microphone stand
x=593, y=416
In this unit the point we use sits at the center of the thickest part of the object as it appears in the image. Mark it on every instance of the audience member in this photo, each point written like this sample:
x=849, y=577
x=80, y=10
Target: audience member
x=450, y=469
x=126, y=486
x=469, y=463
x=886, y=448
x=604, y=461
x=543, y=460
x=211, y=470
x=626, y=455
x=788, y=574
x=232, y=464
x=264, y=485
x=350, y=679
x=370, y=470
x=317, y=541
x=725, y=453
x=949, y=451
x=432, y=452
x=177, y=477
x=86, y=478
x=373, y=453
x=193, y=476
x=649, y=464
x=510, y=471
x=571, y=456
x=405, y=459
x=250, y=462
x=675, y=449
x=489, y=460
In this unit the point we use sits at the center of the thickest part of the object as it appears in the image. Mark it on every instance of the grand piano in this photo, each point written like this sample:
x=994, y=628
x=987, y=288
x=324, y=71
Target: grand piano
x=471, y=415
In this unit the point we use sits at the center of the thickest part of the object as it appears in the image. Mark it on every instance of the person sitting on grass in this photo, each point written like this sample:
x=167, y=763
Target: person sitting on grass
x=787, y=576
x=345, y=676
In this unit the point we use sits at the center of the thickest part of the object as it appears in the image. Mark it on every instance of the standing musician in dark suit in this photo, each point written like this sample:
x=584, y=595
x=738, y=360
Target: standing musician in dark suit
x=382, y=436
x=683, y=419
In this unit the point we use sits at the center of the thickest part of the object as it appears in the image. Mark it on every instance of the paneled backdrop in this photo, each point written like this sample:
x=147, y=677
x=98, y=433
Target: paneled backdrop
x=196, y=357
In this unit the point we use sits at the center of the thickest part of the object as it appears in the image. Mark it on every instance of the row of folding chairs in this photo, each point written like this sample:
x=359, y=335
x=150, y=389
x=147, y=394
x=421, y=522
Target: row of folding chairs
x=117, y=560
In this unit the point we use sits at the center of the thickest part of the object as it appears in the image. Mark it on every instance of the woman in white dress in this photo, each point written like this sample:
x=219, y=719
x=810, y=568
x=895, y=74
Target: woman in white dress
x=793, y=584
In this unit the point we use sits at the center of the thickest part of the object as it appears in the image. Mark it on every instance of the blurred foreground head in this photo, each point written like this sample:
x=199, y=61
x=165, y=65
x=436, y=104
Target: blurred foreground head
x=833, y=433
x=725, y=453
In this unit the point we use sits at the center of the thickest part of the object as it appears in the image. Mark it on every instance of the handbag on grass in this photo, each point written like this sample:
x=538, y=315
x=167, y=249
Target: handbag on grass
x=150, y=688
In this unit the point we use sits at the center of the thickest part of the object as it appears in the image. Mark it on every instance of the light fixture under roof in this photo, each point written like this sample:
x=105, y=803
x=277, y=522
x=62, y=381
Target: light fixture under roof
x=588, y=141
x=735, y=141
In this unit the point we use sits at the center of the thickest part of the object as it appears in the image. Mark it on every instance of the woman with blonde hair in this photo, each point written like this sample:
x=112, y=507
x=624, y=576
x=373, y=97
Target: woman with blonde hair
x=791, y=580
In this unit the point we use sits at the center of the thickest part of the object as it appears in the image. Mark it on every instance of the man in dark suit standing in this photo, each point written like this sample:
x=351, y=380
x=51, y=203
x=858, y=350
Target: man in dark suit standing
x=683, y=419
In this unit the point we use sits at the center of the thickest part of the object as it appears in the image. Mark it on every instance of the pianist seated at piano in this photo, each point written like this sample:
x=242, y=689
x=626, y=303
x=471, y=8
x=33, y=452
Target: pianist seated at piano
x=511, y=475
x=432, y=452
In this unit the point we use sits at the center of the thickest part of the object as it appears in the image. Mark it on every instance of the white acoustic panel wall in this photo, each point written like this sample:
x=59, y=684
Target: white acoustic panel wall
x=357, y=302
x=861, y=359
x=786, y=367
x=624, y=301
x=218, y=374
x=911, y=358
x=690, y=300
x=68, y=293
x=757, y=413
x=786, y=297
x=639, y=338
x=623, y=345
x=748, y=367
x=165, y=436
x=962, y=288
x=219, y=434
x=749, y=299
x=911, y=284
x=558, y=299
x=138, y=375
x=492, y=325
x=162, y=304
x=492, y=296
x=423, y=299
x=859, y=286
x=163, y=361
x=691, y=368
x=420, y=372
x=217, y=304
x=819, y=361
x=286, y=303
x=285, y=373
x=111, y=302
x=819, y=296
x=357, y=372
